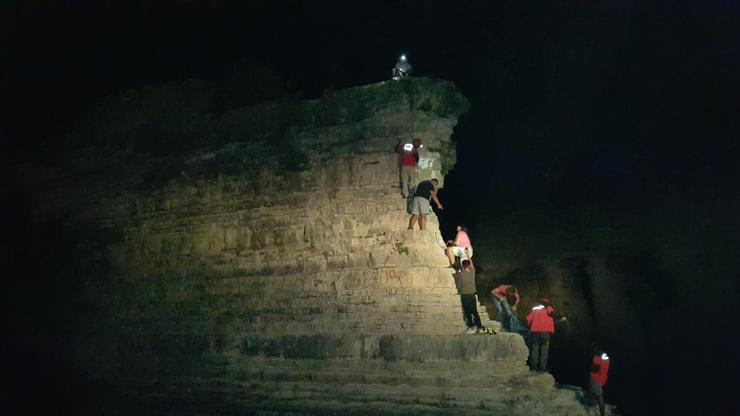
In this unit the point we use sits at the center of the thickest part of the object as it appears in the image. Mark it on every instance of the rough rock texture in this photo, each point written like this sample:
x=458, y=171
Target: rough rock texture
x=291, y=285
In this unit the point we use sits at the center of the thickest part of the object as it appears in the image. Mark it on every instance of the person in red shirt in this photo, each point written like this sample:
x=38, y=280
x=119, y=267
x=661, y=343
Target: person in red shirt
x=505, y=293
x=598, y=377
x=541, y=322
x=506, y=299
x=409, y=160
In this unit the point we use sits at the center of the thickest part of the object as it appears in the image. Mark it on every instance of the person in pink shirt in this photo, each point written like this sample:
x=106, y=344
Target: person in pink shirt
x=460, y=248
x=455, y=255
x=462, y=239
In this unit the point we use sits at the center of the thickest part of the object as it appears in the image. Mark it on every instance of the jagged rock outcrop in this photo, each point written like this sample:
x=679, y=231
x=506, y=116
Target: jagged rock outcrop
x=276, y=274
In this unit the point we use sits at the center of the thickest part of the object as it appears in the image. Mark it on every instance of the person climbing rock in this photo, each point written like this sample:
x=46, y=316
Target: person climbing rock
x=465, y=282
x=598, y=377
x=409, y=154
x=541, y=322
x=462, y=239
x=455, y=255
x=426, y=191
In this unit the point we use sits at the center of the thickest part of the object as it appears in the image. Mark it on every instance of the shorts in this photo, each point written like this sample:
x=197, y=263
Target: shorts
x=421, y=206
x=460, y=252
x=595, y=388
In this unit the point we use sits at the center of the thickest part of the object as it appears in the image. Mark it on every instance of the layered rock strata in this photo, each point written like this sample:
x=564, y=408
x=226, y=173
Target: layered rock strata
x=292, y=285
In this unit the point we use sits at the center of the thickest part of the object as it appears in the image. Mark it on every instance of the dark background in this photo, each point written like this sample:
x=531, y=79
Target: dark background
x=621, y=116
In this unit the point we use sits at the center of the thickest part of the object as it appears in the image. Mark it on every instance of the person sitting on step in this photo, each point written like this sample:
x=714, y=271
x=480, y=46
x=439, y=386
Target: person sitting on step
x=455, y=255
x=462, y=239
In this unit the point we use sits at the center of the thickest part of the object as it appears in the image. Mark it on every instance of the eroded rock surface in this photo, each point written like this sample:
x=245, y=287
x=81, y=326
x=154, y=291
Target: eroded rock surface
x=247, y=282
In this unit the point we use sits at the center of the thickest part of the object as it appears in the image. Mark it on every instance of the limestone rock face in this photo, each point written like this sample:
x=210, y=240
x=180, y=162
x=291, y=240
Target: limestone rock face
x=292, y=285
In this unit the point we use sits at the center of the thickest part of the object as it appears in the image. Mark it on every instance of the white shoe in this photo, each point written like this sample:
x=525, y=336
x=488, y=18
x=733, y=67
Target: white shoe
x=470, y=331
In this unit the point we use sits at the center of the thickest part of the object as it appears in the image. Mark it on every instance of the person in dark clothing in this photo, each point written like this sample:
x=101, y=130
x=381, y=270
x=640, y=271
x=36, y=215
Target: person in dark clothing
x=465, y=281
x=425, y=191
x=541, y=322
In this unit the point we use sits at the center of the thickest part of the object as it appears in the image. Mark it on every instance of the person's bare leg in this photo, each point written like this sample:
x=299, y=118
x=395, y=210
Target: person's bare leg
x=422, y=222
x=450, y=256
x=412, y=222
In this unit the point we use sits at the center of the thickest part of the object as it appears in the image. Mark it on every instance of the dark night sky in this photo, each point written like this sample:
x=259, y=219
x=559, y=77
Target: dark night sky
x=635, y=96
x=560, y=77
x=632, y=95
x=621, y=99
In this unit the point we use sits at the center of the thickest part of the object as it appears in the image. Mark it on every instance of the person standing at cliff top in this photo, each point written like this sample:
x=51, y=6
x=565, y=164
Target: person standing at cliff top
x=598, y=377
x=465, y=282
x=402, y=68
x=426, y=191
x=541, y=322
x=409, y=153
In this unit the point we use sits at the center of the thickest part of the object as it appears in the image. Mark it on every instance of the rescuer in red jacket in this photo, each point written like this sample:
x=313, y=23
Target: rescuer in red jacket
x=409, y=160
x=541, y=322
x=598, y=377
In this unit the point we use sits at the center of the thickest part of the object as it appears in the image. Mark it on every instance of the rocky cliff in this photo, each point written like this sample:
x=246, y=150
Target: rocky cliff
x=274, y=274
